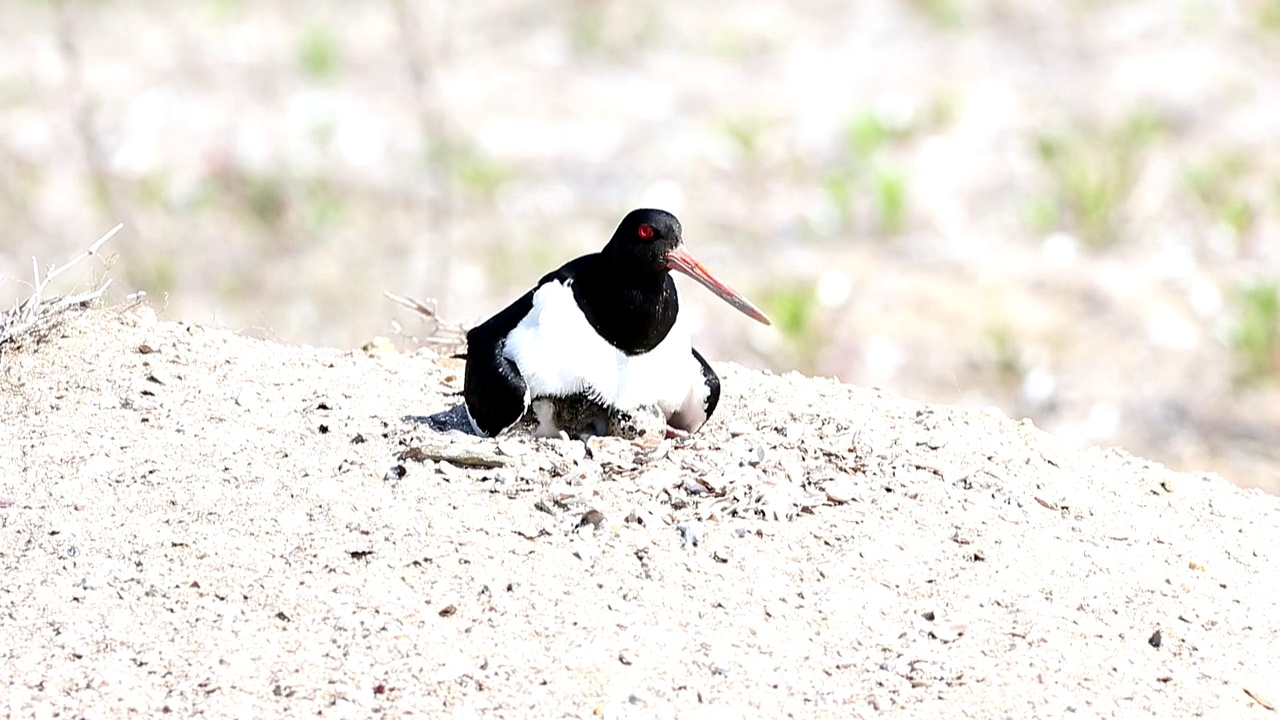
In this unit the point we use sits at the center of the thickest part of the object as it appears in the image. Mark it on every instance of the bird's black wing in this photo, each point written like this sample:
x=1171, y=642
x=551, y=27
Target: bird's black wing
x=492, y=385
x=713, y=383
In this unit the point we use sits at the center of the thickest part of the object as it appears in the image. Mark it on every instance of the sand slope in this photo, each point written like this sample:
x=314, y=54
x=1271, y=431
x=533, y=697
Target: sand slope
x=205, y=524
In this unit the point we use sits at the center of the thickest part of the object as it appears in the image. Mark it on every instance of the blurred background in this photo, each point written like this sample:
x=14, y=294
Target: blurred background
x=1067, y=209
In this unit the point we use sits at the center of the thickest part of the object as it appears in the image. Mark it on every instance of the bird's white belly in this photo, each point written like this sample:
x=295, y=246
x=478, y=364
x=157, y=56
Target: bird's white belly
x=559, y=353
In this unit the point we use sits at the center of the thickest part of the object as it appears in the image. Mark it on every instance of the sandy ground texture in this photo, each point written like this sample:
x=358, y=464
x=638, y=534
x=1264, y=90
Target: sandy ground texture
x=202, y=524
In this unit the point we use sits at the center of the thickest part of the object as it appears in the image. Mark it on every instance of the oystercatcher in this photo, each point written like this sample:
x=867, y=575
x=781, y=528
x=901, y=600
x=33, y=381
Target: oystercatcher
x=603, y=330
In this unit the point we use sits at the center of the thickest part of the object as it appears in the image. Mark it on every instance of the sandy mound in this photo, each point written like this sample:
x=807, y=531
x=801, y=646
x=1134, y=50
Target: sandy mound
x=200, y=523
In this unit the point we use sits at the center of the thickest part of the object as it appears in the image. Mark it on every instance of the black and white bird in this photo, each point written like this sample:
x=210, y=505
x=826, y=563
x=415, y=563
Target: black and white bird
x=604, y=329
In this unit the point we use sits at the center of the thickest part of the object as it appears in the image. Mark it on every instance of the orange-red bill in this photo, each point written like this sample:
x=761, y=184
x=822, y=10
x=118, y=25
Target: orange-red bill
x=684, y=261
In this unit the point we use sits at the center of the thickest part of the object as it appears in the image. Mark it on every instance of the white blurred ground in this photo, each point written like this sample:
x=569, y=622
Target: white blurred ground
x=280, y=164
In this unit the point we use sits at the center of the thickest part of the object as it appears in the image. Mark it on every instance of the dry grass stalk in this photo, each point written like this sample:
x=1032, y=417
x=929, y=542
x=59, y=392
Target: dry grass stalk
x=33, y=318
x=446, y=337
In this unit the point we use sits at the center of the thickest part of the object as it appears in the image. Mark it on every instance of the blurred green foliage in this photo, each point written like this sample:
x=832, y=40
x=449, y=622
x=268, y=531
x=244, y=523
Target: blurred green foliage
x=890, y=186
x=841, y=191
x=325, y=204
x=472, y=170
x=1001, y=345
x=155, y=273
x=1268, y=15
x=264, y=196
x=1255, y=334
x=794, y=310
x=1220, y=185
x=318, y=53
x=1089, y=175
x=747, y=133
x=868, y=166
x=942, y=13
x=225, y=9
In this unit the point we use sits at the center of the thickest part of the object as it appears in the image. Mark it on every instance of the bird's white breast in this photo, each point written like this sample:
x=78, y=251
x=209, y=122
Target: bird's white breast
x=559, y=353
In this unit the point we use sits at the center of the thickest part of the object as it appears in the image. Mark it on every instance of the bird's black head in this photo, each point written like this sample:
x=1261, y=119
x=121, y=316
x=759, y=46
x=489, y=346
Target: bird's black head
x=648, y=244
x=643, y=241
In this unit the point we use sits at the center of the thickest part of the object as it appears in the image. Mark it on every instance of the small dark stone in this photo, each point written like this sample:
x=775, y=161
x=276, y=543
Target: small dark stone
x=1155, y=639
x=324, y=429
x=594, y=518
x=448, y=610
x=397, y=472
x=358, y=439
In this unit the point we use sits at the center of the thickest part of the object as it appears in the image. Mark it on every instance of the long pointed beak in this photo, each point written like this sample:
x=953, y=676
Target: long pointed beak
x=684, y=261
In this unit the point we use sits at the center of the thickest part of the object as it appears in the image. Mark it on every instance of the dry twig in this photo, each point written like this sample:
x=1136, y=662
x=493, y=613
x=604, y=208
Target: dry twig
x=34, y=317
x=464, y=456
x=450, y=337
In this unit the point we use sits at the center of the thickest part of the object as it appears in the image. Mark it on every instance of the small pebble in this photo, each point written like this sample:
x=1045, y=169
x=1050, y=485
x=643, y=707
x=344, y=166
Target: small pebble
x=690, y=532
x=840, y=490
x=695, y=485
x=949, y=633
x=656, y=479
x=511, y=447
x=379, y=346
x=572, y=450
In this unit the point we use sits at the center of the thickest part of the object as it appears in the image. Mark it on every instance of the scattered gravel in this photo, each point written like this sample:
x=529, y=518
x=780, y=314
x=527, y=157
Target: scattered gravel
x=194, y=529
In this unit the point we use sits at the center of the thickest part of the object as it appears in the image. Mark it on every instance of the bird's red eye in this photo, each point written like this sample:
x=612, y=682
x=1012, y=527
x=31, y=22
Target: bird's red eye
x=645, y=232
